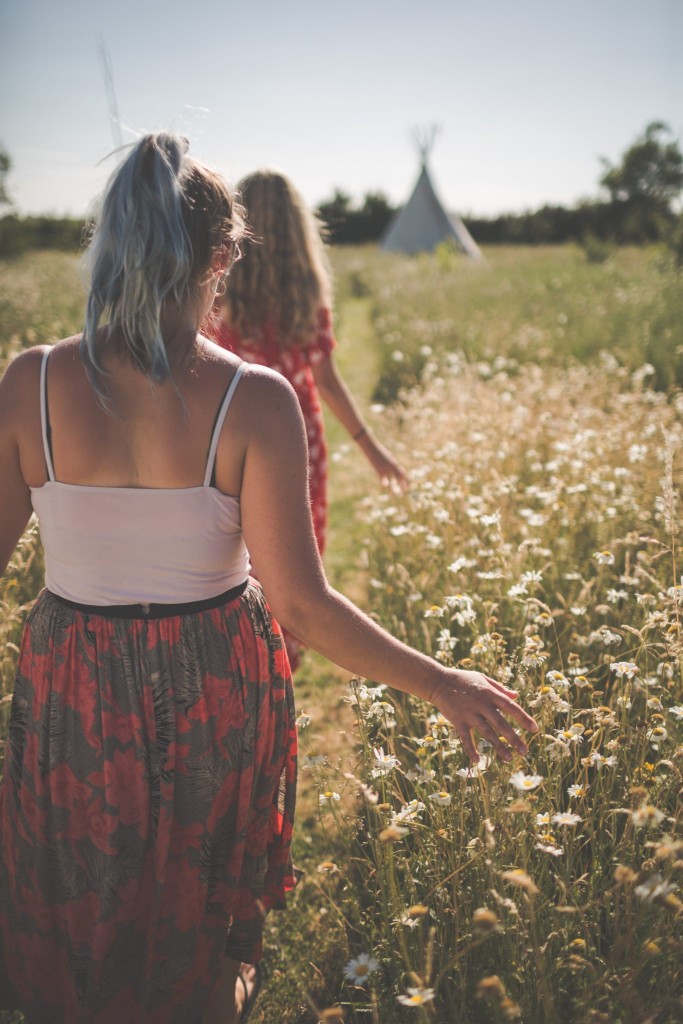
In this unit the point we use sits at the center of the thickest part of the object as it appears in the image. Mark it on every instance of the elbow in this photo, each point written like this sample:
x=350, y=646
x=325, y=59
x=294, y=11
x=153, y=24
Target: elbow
x=300, y=611
x=326, y=380
x=294, y=616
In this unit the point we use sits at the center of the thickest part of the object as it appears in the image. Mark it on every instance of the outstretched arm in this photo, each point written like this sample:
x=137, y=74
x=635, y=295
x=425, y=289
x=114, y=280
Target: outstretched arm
x=279, y=534
x=15, y=496
x=336, y=394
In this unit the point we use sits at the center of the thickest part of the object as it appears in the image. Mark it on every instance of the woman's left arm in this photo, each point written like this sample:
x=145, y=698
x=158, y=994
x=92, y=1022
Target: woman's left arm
x=337, y=396
x=15, y=496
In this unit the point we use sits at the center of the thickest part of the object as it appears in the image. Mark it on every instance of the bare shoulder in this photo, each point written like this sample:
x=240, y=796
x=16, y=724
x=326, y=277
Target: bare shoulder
x=28, y=362
x=266, y=406
x=257, y=380
x=20, y=380
x=267, y=389
x=19, y=387
x=68, y=349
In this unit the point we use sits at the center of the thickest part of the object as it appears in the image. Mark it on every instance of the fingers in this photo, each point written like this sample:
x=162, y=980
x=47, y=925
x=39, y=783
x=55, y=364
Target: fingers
x=401, y=479
x=508, y=707
x=503, y=729
x=395, y=479
x=468, y=743
x=489, y=733
x=512, y=694
x=471, y=705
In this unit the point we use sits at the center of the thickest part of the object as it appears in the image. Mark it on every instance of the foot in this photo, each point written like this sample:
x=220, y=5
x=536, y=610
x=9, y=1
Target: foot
x=248, y=981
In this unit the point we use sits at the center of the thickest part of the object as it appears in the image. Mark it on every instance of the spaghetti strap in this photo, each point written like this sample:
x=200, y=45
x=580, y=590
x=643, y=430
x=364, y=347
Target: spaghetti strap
x=223, y=411
x=44, y=422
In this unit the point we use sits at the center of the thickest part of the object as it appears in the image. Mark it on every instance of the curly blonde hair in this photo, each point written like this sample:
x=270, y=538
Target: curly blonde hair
x=284, y=278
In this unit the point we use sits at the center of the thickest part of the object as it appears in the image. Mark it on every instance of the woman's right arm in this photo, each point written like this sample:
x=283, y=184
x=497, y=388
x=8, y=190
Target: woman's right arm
x=15, y=496
x=335, y=393
x=278, y=531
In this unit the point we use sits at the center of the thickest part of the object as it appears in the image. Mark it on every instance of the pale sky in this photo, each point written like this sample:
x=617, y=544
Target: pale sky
x=528, y=93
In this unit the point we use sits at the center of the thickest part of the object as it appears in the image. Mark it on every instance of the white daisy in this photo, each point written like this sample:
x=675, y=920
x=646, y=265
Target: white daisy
x=577, y=790
x=416, y=996
x=473, y=771
x=409, y=812
x=604, y=557
x=443, y=798
x=566, y=818
x=384, y=763
x=646, y=815
x=360, y=968
x=624, y=669
x=524, y=782
x=654, y=888
x=556, y=678
x=554, y=851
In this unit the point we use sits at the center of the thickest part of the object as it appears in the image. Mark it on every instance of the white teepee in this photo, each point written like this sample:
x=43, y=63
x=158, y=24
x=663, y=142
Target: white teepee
x=422, y=223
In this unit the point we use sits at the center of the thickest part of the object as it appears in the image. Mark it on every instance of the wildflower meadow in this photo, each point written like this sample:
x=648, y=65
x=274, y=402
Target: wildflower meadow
x=537, y=544
x=534, y=403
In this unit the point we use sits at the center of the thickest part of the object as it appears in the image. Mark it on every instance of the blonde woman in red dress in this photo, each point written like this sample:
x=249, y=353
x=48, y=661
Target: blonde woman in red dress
x=276, y=311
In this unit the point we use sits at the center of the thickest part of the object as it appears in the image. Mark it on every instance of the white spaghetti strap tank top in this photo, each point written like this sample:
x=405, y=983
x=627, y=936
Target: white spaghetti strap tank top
x=130, y=545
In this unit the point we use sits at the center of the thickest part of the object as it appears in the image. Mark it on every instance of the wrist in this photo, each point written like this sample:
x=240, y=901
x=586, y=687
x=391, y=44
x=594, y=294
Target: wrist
x=434, y=683
x=432, y=695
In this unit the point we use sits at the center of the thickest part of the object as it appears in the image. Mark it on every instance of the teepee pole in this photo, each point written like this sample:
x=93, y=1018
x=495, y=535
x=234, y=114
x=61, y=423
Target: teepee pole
x=424, y=137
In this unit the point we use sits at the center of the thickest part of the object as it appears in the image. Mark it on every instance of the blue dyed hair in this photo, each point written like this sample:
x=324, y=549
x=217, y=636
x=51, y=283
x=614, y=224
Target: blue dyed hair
x=162, y=219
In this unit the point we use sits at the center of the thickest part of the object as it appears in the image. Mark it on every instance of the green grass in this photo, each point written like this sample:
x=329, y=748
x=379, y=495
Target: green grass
x=545, y=306
x=42, y=299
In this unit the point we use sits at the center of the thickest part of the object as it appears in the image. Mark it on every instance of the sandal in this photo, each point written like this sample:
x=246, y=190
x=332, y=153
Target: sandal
x=250, y=997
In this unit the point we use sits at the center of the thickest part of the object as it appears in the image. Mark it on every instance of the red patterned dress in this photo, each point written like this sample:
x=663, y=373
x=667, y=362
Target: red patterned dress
x=296, y=365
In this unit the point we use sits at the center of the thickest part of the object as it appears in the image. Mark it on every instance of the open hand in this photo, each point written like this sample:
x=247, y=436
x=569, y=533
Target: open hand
x=474, y=702
x=390, y=472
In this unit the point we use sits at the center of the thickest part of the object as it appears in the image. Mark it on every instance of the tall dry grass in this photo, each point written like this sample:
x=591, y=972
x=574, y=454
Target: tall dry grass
x=539, y=542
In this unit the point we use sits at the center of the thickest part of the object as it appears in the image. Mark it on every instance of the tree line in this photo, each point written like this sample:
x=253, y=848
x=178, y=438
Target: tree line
x=639, y=207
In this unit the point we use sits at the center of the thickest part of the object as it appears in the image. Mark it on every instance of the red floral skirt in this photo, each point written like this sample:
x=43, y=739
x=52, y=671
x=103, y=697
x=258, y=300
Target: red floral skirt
x=147, y=808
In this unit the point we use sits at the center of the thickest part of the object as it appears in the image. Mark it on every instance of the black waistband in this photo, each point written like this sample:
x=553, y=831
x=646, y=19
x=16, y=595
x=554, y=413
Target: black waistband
x=153, y=611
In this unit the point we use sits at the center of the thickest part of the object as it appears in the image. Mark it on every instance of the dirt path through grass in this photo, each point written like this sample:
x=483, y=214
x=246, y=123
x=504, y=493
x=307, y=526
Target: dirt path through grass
x=319, y=685
x=305, y=946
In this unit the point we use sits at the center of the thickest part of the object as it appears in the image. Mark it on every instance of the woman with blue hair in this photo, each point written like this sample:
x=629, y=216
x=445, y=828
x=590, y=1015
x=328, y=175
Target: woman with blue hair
x=147, y=805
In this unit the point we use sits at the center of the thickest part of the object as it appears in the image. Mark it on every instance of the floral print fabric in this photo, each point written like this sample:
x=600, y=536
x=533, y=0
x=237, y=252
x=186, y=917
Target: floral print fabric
x=147, y=808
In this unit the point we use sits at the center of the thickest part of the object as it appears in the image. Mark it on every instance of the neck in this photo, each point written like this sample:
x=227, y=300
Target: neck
x=179, y=326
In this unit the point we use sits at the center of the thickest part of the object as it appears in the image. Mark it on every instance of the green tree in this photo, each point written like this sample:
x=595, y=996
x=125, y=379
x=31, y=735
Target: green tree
x=335, y=211
x=375, y=214
x=650, y=172
x=5, y=166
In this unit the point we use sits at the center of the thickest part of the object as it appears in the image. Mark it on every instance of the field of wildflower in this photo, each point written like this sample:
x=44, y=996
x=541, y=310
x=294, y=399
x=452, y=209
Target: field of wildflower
x=540, y=542
x=537, y=543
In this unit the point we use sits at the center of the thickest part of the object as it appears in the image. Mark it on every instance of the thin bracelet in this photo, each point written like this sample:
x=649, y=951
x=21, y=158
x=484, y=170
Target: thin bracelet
x=356, y=437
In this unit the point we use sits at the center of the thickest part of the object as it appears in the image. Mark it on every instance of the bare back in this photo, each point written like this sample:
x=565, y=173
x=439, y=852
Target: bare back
x=158, y=435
